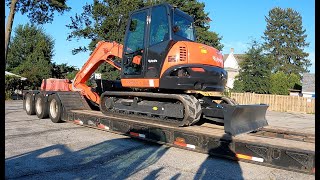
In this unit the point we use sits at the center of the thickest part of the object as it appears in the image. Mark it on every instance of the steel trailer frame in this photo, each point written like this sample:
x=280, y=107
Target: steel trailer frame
x=295, y=154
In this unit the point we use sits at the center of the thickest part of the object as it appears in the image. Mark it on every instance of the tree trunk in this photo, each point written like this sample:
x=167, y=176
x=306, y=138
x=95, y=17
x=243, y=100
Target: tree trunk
x=9, y=26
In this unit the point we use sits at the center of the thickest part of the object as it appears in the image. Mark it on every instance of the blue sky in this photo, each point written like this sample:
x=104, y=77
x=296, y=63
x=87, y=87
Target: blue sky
x=238, y=22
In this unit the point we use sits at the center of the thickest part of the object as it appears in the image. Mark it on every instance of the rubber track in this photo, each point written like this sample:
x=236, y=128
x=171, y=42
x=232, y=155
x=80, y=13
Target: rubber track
x=192, y=107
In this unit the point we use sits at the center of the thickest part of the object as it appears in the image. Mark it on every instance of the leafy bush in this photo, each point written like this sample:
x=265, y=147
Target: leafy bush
x=281, y=83
x=12, y=83
x=71, y=75
x=8, y=95
x=227, y=92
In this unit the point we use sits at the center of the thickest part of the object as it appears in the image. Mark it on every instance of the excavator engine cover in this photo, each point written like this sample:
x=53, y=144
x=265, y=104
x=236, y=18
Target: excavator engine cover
x=240, y=119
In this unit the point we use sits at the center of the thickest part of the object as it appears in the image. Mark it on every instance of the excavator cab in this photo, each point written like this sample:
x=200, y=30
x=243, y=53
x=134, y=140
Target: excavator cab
x=160, y=52
x=149, y=35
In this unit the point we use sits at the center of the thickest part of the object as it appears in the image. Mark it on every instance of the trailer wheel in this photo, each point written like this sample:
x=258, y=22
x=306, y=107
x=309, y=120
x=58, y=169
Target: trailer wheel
x=55, y=109
x=29, y=104
x=41, y=106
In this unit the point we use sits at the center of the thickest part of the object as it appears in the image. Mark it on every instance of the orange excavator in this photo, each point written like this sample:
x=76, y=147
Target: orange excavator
x=165, y=75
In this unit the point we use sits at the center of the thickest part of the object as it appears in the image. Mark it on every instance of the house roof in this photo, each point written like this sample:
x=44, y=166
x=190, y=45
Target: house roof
x=308, y=82
x=238, y=57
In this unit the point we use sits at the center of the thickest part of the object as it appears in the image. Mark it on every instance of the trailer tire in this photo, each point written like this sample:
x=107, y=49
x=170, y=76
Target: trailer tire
x=29, y=104
x=41, y=106
x=55, y=108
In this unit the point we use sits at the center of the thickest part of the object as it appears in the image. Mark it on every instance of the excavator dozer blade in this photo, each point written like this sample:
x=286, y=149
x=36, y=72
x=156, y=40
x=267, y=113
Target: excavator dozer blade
x=240, y=119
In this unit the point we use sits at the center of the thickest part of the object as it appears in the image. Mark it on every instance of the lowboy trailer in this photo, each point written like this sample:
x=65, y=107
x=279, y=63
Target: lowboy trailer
x=269, y=146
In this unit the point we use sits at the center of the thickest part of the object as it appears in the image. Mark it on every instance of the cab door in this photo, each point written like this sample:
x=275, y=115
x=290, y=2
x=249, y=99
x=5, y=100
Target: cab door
x=134, y=50
x=158, y=42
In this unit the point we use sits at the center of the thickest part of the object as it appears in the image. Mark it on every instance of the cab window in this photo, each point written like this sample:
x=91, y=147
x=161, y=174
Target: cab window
x=159, y=30
x=133, y=53
x=183, y=27
x=135, y=38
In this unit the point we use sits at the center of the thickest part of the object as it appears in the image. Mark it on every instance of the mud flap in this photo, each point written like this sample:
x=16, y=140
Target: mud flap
x=240, y=119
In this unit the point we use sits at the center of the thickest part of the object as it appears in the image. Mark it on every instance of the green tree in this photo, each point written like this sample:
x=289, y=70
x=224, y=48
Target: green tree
x=255, y=71
x=108, y=72
x=72, y=75
x=12, y=83
x=280, y=83
x=61, y=70
x=238, y=85
x=99, y=21
x=294, y=81
x=39, y=12
x=30, y=54
x=285, y=40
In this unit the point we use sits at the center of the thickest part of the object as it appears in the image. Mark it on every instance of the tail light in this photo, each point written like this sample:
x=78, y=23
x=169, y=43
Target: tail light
x=198, y=69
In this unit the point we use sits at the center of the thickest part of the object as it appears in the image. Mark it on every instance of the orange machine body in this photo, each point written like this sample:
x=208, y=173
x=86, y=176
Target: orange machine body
x=181, y=53
x=204, y=62
x=186, y=52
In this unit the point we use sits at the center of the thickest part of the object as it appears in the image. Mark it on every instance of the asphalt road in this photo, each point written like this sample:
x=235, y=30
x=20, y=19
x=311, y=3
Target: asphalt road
x=40, y=149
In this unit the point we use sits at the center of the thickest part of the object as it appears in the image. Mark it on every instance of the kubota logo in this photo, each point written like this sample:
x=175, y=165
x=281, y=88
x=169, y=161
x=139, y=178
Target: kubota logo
x=152, y=60
x=217, y=59
x=87, y=68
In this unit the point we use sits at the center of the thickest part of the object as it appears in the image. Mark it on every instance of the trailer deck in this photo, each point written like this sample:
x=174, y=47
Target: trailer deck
x=270, y=146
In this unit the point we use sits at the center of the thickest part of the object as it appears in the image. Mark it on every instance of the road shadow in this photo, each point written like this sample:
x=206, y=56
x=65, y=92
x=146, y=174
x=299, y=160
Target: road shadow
x=113, y=159
x=217, y=167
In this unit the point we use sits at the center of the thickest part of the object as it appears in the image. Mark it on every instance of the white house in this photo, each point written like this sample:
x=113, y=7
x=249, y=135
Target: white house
x=308, y=85
x=231, y=65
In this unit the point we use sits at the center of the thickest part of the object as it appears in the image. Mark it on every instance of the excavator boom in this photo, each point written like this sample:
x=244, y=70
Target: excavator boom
x=104, y=52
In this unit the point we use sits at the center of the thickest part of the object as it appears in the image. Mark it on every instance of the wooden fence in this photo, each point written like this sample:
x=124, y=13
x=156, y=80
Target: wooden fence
x=277, y=102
